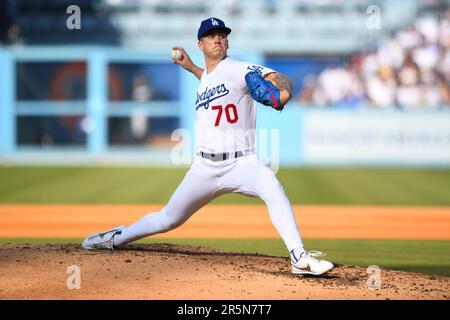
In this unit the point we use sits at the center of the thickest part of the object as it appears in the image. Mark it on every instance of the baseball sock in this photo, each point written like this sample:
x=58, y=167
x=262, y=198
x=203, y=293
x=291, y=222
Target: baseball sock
x=148, y=225
x=296, y=254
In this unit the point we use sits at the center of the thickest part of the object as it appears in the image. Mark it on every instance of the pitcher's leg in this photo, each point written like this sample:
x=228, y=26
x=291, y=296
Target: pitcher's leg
x=251, y=177
x=194, y=192
x=270, y=190
x=280, y=210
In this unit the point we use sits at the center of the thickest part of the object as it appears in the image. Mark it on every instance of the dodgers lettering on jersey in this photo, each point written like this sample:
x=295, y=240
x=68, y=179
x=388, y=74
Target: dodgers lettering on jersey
x=208, y=95
x=225, y=111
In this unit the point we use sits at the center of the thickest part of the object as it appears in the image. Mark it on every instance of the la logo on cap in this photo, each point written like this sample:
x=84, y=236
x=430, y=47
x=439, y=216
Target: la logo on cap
x=214, y=22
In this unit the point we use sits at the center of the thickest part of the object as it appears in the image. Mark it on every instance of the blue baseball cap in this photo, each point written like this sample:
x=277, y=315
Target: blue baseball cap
x=211, y=24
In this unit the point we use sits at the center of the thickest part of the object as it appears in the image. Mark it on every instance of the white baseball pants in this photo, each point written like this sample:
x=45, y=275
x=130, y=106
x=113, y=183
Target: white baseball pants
x=207, y=180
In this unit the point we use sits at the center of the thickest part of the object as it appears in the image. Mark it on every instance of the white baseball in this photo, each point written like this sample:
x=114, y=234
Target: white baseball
x=176, y=54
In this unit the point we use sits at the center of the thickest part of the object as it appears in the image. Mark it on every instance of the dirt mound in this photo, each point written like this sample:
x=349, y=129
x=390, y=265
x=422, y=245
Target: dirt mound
x=165, y=271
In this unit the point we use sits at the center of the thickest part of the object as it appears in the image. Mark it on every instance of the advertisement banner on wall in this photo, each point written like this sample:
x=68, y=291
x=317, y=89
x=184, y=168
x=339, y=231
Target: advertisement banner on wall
x=376, y=138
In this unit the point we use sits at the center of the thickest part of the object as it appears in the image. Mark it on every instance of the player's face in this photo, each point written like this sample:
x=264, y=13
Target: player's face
x=214, y=45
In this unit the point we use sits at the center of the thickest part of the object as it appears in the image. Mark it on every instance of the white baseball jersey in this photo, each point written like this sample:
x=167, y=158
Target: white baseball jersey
x=225, y=110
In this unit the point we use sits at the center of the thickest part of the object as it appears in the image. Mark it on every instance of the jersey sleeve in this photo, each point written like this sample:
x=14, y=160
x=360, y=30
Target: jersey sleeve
x=246, y=67
x=254, y=67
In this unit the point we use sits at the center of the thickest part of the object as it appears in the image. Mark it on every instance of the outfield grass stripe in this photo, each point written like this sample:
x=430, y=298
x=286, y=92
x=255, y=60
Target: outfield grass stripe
x=19, y=184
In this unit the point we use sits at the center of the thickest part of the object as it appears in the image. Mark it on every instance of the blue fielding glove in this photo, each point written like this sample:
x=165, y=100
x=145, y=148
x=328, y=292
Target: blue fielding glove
x=262, y=90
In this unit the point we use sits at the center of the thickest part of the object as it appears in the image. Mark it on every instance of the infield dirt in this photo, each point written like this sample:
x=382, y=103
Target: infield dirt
x=231, y=221
x=165, y=271
x=158, y=271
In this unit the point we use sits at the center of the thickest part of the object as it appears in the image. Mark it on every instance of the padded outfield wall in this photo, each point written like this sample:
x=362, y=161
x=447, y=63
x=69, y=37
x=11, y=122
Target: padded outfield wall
x=300, y=135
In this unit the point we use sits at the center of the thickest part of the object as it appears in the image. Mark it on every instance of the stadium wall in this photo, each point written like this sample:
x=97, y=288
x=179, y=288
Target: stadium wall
x=299, y=135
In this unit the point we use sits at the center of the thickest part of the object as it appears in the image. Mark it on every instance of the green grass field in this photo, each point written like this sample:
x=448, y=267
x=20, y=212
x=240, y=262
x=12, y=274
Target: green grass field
x=318, y=186
x=413, y=187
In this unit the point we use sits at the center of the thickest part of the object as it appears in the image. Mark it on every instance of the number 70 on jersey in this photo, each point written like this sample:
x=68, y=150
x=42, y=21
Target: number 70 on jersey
x=231, y=113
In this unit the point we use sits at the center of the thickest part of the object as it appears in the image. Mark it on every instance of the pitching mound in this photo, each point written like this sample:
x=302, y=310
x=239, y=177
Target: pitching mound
x=164, y=271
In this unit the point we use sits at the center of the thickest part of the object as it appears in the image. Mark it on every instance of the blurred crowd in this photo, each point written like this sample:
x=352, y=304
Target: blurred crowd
x=411, y=70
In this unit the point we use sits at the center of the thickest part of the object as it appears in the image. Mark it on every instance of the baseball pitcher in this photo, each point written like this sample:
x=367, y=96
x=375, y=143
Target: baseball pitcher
x=225, y=159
